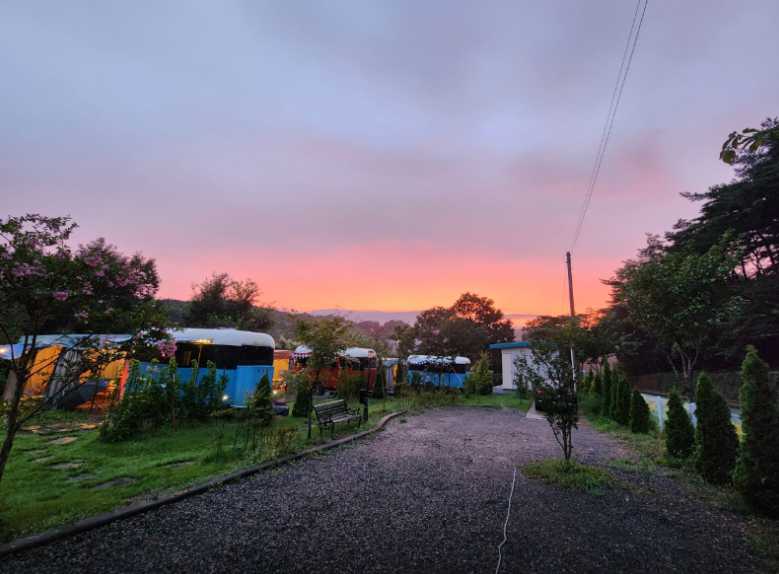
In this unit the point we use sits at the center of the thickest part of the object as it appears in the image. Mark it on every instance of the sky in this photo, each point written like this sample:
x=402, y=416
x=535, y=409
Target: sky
x=374, y=155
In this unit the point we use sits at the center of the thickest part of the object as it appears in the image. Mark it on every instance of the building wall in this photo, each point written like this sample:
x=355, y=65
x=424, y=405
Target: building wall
x=507, y=365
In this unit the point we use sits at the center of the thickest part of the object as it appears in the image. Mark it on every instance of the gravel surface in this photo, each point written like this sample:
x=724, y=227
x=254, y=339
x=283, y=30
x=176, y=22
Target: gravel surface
x=425, y=495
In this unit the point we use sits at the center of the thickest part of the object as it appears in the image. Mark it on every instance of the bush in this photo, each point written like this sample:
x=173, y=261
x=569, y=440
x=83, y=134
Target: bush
x=259, y=407
x=596, y=387
x=716, y=439
x=639, y=413
x=380, y=386
x=301, y=384
x=348, y=385
x=606, y=386
x=479, y=380
x=679, y=432
x=143, y=407
x=757, y=470
x=620, y=399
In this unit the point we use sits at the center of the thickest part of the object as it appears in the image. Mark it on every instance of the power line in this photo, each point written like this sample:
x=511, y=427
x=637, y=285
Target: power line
x=616, y=97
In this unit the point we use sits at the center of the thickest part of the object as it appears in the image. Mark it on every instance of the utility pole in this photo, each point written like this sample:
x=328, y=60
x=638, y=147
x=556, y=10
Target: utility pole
x=573, y=312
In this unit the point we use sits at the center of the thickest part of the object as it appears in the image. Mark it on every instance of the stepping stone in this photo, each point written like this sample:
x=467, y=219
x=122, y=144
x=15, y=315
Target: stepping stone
x=43, y=459
x=81, y=477
x=120, y=481
x=87, y=426
x=68, y=465
x=178, y=464
x=63, y=440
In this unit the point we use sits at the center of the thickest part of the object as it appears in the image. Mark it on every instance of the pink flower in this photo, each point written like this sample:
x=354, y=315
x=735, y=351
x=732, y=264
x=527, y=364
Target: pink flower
x=166, y=347
x=60, y=295
x=82, y=316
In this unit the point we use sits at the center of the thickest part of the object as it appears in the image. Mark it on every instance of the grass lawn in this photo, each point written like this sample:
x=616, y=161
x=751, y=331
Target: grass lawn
x=762, y=532
x=48, y=485
x=573, y=475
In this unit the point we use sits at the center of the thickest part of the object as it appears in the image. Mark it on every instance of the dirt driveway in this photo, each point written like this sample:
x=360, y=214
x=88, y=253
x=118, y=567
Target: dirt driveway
x=428, y=494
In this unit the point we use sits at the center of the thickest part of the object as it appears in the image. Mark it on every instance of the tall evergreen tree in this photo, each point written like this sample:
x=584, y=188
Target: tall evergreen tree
x=596, y=388
x=757, y=470
x=679, y=432
x=717, y=442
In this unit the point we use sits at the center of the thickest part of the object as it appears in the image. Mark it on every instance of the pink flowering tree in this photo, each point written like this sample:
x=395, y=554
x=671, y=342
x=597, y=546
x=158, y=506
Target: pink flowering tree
x=46, y=286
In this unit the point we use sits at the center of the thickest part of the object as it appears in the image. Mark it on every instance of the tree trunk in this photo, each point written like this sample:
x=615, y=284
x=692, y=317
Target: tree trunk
x=12, y=425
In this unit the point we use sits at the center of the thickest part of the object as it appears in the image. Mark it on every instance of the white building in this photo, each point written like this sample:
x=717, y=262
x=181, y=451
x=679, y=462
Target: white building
x=508, y=354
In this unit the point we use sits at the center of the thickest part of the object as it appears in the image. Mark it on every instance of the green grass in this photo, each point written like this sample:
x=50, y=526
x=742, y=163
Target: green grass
x=34, y=496
x=572, y=475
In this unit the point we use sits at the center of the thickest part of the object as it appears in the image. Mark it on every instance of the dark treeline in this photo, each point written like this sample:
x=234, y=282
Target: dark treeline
x=695, y=297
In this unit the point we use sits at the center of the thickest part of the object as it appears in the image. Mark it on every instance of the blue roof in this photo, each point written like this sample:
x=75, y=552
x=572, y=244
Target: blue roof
x=511, y=345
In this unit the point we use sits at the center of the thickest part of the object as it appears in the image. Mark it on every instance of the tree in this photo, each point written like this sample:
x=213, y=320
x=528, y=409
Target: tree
x=757, y=470
x=639, y=413
x=623, y=401
x=465, y=328
x=380, y=386
x=679, y=432
x=406, y=336
x=590, y=343
x=716, y=439
x=596, y=387
x=679, y=298
x=46, y=285
x=550, y=369
x=220, y=301
x=326, y=337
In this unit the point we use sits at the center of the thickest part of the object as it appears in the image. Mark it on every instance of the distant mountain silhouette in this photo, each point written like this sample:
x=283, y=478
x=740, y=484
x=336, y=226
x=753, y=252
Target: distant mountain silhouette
x=518, y=319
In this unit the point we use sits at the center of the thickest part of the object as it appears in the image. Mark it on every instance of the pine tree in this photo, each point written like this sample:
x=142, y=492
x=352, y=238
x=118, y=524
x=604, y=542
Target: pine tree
x=757, y=470
x=716, y=439
x=639, y=413
x=679, y=432
x=606, y=386
x=304, y=398
x=625, y=397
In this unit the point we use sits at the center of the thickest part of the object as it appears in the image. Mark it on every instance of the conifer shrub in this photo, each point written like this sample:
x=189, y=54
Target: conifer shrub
x=606, y=387
x=259, y=406
x=756, y=474
x=716, y=439
x=625, y=400
x=380, y=386
x=304, y=393
x=639, y=413
x=595, y=387
x=679, y=432
x=479, y=379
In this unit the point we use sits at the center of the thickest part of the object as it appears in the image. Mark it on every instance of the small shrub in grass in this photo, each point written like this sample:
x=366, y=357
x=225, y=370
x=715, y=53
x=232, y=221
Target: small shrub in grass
x=304, y=393
x=639, y=413
x=757, y=470
x=716, y=439
x=348, y=385
x=259, y=407
x=679, y=432
x=479, y=380
x=569, y=474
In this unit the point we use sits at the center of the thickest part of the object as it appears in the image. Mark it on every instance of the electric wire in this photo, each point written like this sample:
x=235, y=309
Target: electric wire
x=506, y=524
x=608, y=127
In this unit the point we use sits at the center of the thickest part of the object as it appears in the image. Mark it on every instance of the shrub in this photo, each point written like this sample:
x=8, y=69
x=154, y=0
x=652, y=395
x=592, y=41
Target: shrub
x=716, y=439
x=380, y=386
x=639, y=413
x=679, y=432
x=479, y=380
x=625, y=399
x=300, y=383
x=757, y=470
x=520, y=380
x=259, y=407
x=606, y=386
x=595, y=388
x=348, y=385
x=143, y=407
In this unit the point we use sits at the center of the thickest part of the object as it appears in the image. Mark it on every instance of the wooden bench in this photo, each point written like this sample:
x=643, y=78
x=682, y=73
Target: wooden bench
x=329, y=413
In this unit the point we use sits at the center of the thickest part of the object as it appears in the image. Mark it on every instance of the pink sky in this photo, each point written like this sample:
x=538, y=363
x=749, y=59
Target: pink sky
x=382, y=155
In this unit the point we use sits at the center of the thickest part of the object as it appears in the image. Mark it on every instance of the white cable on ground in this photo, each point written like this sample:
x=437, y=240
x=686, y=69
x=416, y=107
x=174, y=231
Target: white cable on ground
x=506, y=524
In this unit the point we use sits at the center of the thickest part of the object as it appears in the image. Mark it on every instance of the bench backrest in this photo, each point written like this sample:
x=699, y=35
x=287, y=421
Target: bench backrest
x=328, y=410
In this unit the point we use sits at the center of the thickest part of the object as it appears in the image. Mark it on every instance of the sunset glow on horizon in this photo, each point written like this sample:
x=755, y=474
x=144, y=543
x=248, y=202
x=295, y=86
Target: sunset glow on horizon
x=373, y=155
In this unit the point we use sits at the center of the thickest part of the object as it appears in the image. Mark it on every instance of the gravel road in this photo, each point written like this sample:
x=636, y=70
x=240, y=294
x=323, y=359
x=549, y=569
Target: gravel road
x=427, y=494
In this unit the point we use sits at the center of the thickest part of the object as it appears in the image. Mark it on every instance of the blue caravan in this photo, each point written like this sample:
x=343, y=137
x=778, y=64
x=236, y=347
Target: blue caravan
x=448, y=372
x=242, y=356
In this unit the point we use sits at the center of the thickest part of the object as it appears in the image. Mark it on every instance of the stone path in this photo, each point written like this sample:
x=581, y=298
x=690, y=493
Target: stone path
x=428, y=494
